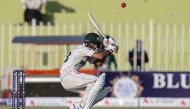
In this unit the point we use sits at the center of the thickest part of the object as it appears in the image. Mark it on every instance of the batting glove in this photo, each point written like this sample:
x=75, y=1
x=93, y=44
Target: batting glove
x=109, y=41
x=105, y=42
x=111, y=48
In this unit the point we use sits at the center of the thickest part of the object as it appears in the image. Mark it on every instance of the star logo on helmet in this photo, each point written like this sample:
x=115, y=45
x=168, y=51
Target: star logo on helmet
x=98, y=38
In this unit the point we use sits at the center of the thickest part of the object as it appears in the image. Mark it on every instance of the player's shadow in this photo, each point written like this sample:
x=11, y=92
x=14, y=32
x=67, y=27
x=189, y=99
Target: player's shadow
x=53, y=7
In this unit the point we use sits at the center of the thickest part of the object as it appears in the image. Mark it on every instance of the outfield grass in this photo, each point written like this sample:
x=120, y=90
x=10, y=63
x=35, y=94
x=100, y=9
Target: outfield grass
x=106, y=10
x=75, y=11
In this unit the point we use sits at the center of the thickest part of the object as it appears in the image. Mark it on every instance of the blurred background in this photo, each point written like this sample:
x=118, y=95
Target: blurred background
x=150, y=69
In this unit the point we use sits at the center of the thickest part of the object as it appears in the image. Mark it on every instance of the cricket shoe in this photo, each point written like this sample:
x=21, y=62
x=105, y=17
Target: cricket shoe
x=77, y=106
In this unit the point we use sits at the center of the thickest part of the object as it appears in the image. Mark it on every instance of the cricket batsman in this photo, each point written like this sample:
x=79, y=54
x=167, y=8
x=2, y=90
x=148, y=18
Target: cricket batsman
x=94, y=50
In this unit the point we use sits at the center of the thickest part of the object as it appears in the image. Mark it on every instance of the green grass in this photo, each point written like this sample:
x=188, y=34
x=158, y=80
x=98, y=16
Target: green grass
x=75, y=11
x=106, y=10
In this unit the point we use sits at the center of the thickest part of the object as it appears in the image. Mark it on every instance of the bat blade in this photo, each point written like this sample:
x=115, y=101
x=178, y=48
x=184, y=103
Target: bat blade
x=98, y=29
x=95, y=25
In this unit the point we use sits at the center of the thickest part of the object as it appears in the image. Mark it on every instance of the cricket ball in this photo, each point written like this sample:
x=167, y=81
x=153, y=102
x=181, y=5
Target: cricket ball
x=123, y=5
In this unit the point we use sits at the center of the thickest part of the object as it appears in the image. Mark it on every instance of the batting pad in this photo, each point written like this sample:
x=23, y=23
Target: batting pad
x=101, y=95
x=95, y=91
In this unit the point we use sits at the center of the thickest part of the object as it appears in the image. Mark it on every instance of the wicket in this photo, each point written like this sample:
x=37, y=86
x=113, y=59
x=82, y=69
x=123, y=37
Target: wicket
x=18, y=89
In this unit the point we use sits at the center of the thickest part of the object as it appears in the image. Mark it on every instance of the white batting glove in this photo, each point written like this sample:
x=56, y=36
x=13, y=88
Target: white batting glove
x=110, y=48
x=110, y=45
x=109, y=41
x=105, y=42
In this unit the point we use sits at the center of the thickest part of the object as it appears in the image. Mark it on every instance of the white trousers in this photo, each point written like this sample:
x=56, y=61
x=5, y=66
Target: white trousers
x=75, y=81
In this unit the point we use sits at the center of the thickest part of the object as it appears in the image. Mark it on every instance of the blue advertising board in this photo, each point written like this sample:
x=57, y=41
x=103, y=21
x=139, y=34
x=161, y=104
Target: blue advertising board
x=149, y=84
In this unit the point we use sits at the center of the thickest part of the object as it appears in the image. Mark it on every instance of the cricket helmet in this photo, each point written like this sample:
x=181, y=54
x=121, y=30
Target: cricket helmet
x=92, y=38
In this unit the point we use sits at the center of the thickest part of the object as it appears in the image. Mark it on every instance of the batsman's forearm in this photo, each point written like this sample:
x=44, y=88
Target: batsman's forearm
x=100, y=55
x=104, y=54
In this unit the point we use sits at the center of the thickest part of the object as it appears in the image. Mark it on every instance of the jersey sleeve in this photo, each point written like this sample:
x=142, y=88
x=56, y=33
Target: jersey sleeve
x=87, y=52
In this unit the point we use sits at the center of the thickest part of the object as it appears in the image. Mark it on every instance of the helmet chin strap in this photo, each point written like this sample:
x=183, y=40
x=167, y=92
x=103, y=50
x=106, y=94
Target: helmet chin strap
x=91, y=46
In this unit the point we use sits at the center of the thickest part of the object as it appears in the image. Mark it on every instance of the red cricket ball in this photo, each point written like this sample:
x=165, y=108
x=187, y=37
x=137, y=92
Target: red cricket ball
x=123, y=5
